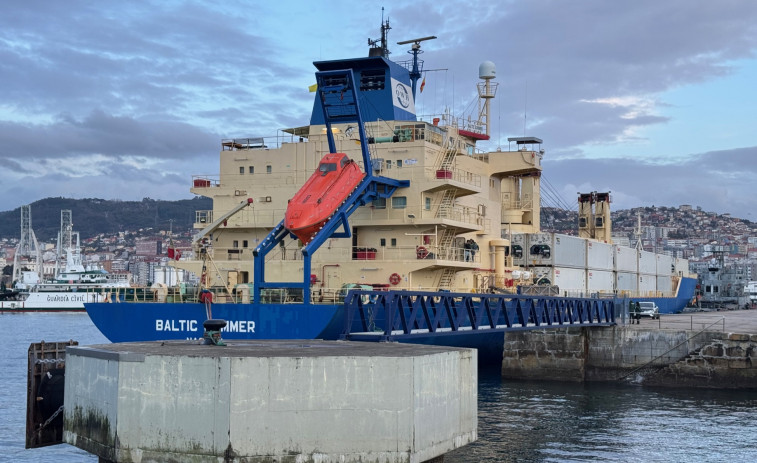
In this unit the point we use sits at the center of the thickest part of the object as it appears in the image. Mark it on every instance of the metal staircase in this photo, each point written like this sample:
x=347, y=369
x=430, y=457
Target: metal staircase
x=447, y=159
x=446, y=204
x=444, y=241
x=445, y=282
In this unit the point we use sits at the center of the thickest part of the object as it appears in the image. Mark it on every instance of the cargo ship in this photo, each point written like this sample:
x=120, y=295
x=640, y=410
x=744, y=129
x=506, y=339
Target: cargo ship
x=432, y=211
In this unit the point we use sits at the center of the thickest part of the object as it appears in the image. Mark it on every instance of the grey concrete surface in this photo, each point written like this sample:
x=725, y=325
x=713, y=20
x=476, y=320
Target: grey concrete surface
x=326, y=401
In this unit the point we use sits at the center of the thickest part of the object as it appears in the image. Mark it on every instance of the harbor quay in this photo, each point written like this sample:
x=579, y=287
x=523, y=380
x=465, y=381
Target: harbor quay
x=698, y=349
x=266, y=401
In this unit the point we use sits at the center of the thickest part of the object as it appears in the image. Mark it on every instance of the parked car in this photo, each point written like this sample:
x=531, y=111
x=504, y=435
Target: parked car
x=649, y=309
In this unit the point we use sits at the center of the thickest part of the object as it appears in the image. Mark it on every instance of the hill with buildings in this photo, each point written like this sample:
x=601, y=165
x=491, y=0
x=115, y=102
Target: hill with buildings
x=92, y=216
x=133, y=235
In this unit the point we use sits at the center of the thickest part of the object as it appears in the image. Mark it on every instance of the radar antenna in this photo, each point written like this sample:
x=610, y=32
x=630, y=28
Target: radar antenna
x=415, y=50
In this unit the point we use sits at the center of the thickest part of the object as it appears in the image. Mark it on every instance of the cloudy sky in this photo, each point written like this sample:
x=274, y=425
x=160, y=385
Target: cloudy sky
x=653, y=100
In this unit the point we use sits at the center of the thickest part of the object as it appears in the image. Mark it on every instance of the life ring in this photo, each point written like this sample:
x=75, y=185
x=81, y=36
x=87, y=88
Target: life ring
x=395, y=279
x=421, y=252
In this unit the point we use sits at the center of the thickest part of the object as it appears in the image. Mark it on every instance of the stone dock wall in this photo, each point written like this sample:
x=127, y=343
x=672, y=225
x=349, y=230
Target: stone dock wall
x=621, y=353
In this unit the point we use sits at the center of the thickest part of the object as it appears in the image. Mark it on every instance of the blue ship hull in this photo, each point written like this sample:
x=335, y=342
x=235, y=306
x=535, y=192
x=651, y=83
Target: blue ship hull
x=152, y=321
x=675, y=304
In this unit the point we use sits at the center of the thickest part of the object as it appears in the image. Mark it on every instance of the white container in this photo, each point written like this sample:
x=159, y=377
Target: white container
x=556, y=250
x=647, y=262
x=647, y=284
x=665, y=284
x=626, y=281
x=599, y=255
x=519, y=249
x=568, y=279
x=682, y=267
x=600, y=281
x=665, y=265
x=626, y=259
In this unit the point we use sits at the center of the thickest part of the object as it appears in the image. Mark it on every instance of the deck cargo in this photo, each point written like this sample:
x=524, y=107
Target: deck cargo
x=665, y=264
x=599, y=255
x=600, y=281
x=664, y=284
x=647, y=262
x=570, y=281
x=626, y=281
x=626, y=259
x=556, y=250
x=518, y=249
x=681, y=266
x=647, y=284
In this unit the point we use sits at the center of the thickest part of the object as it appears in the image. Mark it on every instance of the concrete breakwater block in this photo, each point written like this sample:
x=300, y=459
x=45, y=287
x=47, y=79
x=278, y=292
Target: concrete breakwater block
x=270, y=401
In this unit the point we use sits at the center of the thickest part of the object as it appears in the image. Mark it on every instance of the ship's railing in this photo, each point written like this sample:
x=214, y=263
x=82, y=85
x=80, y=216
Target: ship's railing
x=292, y=252
x=379, y=211
x=389, y=315
x=204, y=217
x=205, y=181
x=373, y=212
x=458, y=175
x=262, y=143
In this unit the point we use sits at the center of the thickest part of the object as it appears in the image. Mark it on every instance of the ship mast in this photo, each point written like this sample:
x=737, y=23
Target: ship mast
x=382, y=50
x=415, y=50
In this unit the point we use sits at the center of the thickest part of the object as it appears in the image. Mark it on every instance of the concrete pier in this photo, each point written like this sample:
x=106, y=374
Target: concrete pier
x=270, y=401
x=712, y=350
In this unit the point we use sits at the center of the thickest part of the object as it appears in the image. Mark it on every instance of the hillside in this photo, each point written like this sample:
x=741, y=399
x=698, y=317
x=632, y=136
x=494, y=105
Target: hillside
x=94, y=216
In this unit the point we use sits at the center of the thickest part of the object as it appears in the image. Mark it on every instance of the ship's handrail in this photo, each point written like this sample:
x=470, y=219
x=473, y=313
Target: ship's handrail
x=355, y=253
x=458, y=175
x=263, y=142
x=389, y=315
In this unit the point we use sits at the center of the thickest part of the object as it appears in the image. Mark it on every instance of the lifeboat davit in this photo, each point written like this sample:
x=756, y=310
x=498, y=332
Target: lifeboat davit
x=329, y=186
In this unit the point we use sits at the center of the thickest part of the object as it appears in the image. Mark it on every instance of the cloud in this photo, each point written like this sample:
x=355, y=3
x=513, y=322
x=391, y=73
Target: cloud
x=114, y=97
x=717, y=181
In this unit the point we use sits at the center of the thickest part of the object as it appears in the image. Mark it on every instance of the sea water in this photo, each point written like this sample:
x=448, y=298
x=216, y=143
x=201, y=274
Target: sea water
x=518, y=421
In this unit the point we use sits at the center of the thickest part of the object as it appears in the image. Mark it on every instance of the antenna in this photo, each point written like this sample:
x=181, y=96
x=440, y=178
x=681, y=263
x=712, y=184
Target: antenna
x=415, y=50
x=382, y=50
x=525, y=110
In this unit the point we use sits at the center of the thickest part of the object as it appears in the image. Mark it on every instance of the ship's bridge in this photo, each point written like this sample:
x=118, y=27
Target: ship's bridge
x=383, y=88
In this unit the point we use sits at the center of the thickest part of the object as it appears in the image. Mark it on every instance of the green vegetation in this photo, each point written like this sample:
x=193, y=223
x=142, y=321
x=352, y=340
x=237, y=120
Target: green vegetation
x=94, y=216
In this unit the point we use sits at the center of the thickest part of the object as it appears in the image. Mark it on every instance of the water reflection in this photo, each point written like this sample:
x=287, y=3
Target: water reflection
x=527, y=421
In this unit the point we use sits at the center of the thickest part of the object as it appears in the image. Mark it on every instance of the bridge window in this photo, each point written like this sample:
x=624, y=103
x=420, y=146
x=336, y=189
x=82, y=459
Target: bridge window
x=399, y=202
x=372, y=80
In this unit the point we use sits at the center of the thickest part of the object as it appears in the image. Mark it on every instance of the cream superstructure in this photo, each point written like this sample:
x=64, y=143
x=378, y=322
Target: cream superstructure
x=456, y=193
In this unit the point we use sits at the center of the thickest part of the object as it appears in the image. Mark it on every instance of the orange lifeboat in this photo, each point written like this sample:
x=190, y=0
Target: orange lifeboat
x=337, y=176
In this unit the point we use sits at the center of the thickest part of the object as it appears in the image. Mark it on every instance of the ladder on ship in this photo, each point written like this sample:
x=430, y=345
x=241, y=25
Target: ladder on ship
x=339, y=101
